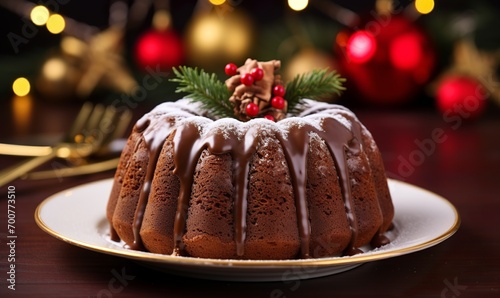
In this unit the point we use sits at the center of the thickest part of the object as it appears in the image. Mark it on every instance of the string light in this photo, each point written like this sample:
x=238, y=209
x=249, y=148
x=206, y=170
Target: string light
x=298, y=5
x=56, y=24
x=21, y=86
x=39, y=15
x=217, y=2
x=424, y=6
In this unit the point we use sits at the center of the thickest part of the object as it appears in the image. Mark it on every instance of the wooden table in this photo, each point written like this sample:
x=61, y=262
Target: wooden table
x=458, y=160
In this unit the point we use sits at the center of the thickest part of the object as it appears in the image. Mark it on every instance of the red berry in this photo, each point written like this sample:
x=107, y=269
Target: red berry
x=269, y=117
x=279, y=90
x=278, y=102
x=231, y=69
x=247, y=79
x=257, y=73
x=252, y=109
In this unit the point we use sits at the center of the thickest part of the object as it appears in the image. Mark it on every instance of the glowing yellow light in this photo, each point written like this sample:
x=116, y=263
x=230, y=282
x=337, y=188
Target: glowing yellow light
x=217, y=2
x=161, y=20
x=54, y=69
x=424, y=6
x=298, y=5
x=21, y=86
x=22, y=111
x=56, y=24
x=39, y=15
x=208, y=33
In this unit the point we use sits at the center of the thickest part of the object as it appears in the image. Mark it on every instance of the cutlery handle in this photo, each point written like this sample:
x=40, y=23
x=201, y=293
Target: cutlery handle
x=24, y=150
x=24, y=167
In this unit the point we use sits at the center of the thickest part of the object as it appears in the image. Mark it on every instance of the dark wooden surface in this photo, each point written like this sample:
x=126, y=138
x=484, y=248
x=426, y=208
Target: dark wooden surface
x=461, y=163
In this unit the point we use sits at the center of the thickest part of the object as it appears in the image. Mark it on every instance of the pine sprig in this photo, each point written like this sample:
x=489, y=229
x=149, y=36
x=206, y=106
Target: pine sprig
x=206, y=89
x=314, y=85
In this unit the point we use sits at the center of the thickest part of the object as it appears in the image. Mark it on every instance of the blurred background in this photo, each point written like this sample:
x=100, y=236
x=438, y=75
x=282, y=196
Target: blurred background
x=438, y=55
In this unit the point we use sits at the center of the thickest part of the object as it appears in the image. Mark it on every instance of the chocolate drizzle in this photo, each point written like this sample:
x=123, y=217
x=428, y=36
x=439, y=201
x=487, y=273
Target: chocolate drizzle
x=188, y=146
x=154, y=136
x=194, y=134
x=338, y=139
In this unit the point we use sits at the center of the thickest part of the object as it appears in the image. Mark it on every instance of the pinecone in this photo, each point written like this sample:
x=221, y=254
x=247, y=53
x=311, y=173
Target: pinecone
x=259, y=92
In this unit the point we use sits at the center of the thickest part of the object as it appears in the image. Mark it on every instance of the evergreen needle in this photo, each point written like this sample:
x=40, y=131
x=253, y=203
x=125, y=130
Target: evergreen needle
x=314, y=85
x=205, y=89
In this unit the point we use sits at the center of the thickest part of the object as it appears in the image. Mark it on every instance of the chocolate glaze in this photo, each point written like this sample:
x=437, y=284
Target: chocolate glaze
x=154, y=136
x=188, y=146
x=190, y=140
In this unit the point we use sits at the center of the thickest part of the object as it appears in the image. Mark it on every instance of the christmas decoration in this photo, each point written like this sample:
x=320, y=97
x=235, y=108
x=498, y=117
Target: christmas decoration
x=457, y=90
x=103, y=63
x=252, y=110
x=231, y=69
x=461, y=96
x=279, y=90
x=159, y=48
x=212, y=39
x=264, y=98
x=247, y=79
x=252, y=100
x=59, y=76
x=387, y=59
x=308, y=59
x=79, y=67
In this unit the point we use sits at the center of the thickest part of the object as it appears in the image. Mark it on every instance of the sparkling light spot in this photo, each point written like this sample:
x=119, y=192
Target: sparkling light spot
x=424, y=6
x=39, y=15
x=21, y=86
x=298, y=5
x=56, y=24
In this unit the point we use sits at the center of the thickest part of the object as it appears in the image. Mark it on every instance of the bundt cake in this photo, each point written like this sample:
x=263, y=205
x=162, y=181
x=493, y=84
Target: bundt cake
x=308, y=186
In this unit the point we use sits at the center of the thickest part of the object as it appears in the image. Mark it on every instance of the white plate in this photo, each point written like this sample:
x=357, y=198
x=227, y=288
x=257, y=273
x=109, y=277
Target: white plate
x=77, y=216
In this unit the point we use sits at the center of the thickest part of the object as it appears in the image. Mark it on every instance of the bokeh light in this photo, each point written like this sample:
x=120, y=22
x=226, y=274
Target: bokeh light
x=56, y=24
x=21, y=86
x=54, y=69
x=39, y=15
x=405, y=51
x=361, y=46
x=217, y=2
x=298, y=5
x=424, y=6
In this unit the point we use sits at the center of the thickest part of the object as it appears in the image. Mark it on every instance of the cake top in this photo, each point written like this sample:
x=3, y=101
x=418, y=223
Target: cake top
x=255, y=90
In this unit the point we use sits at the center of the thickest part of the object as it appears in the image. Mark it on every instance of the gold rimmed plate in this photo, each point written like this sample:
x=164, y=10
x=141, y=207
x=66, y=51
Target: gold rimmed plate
x=77, y=216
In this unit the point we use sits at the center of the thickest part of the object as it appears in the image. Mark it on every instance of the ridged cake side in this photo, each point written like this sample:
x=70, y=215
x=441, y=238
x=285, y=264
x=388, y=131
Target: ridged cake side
x=308, y=186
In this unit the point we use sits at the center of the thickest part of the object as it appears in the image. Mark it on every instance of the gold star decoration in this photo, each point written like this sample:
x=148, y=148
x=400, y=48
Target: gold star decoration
x=101, y=61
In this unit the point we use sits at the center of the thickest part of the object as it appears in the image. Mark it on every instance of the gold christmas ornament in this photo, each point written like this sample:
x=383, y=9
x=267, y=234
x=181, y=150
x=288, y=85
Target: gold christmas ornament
x=307, y=60
x=58, y=77
x=212, y=38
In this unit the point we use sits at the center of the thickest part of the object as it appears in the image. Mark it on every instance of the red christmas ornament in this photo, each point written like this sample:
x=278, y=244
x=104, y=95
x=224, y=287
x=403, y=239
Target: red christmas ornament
x=247, y=79
x=386, y=59
x=252, y=110
x=278, y=102
x=159, y=48
x=231, y=69
x=257, y=73
x=461, y=96
x=279, y=90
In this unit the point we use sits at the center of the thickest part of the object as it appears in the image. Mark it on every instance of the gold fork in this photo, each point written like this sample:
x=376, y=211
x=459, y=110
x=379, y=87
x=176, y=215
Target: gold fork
x=93, y=128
